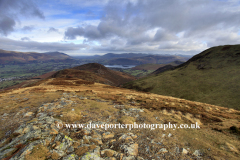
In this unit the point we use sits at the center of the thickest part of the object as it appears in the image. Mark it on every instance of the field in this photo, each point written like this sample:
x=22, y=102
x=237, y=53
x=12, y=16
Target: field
x=15, y=74
x=138, y=73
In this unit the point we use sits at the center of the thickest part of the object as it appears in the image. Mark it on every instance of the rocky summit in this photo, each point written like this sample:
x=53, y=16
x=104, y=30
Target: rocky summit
x=43, y=122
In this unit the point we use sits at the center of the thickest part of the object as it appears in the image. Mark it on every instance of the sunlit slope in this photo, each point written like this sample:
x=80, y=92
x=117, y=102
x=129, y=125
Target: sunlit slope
x=212, y=76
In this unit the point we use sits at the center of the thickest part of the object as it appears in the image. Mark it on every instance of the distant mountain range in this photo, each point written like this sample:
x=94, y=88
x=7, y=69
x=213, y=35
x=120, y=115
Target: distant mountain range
x=153, y=59
x=213, y=77
x=13, y=57
x=134, y=58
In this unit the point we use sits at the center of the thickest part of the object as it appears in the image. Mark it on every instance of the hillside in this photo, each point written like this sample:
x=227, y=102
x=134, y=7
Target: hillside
x=212, y=77
x=149, y=69
x=13, y=57
x=57, y=55
x=34, y=124
x=148, y=66
x=162, y=69
x=95, y=72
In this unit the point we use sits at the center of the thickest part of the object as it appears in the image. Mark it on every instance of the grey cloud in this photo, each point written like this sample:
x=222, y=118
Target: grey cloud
x=6, y=25
x=51, y=29
x=162, y=35
x=11, y=10
x=25, y=39
x=28, y=28
x=91, y=32
x=84, y=3
x=9, y=44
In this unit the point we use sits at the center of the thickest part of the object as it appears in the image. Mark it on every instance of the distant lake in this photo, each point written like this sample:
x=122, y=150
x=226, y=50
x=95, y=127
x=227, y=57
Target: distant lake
x=120, y=66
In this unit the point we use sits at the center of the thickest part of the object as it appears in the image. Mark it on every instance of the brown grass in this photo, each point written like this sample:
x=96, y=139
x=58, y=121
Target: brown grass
x=55, y=155
x=126, y=120
x=39, y=152
x=81, y=150
x=71, y=116
x=61, y=82
x=83, y=82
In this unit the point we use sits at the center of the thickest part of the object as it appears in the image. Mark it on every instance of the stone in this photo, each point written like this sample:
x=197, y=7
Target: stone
x=70, y=157
x=132, y=135
x=129, y=158
x=86, y=139
x=86, y=132
x=163, y=150
x=169, y=135
x=183, y=151
x=125, y=138
x=91, y=156
x=70, y=149
x=231, y=147
x=7, y=152
x=108, y=152
x=53, y=131
x=131, y=150
x=28, y=114
x=5, y=115
x=107, y=135
x=197, y=153
x=96, y=141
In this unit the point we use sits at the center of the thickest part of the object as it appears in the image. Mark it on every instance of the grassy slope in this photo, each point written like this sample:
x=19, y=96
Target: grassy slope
x=145, y=69
x=217, y=82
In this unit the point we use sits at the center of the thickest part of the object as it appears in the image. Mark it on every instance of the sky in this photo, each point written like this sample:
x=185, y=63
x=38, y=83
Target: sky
x=90, y=27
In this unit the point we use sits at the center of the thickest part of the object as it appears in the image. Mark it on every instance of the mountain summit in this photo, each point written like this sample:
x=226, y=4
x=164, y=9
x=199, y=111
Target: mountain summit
x=95, y=72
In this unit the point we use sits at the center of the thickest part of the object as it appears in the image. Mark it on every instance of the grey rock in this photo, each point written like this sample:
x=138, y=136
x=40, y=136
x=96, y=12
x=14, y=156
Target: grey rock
x=197, y=153
x=183, y=151
x=22, y=153
x=91, y=156
x=169, y=135
x=129, y=158
x=70, y=149
x=3, y=153
x=163, y=150
x=70, y=157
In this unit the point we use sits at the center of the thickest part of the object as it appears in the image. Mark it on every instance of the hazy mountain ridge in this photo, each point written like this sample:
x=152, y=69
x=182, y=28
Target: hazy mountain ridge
x=12, y=57
x=154, y=59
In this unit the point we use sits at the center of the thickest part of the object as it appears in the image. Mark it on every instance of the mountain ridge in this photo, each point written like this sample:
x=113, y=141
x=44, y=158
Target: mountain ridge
x=13, y=57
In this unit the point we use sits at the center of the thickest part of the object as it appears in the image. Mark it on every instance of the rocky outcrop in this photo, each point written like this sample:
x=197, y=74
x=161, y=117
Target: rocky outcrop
x=42, y=137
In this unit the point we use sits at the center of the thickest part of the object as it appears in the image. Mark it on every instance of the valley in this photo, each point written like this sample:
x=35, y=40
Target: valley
x=17, y=67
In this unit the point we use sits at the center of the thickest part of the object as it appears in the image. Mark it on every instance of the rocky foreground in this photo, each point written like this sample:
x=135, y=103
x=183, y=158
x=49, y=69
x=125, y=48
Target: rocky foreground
x=41, y=137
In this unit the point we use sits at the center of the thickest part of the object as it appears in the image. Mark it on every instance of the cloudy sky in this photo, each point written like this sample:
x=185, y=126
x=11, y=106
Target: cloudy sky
x=88, y=27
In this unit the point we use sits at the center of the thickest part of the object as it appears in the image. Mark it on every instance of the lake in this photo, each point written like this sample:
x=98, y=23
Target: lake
x=120, y=66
